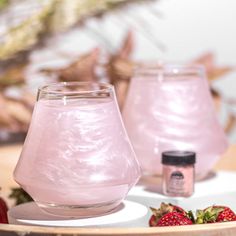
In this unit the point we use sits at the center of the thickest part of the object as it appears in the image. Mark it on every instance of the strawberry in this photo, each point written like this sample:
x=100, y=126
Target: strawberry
x=173, y=219
x=3, y=211
x=153, y=221
x=214, y=214
x=178, y=209
x=164, y=210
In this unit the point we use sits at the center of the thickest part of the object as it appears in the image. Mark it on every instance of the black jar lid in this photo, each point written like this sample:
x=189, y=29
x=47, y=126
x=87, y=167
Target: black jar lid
x=178, y=158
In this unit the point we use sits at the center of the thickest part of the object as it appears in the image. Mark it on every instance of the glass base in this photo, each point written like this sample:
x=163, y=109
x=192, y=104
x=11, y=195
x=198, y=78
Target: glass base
x=205, y=176
x=149, y=177
x=77, y=211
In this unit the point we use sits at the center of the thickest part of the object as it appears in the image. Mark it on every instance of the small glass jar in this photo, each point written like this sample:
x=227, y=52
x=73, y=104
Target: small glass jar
x=178, y=173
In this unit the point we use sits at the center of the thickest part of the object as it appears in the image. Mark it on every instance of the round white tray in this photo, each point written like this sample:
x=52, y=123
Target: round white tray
x=127, y=214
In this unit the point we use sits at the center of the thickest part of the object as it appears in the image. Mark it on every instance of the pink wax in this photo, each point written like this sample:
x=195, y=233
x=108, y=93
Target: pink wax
x=77, y=153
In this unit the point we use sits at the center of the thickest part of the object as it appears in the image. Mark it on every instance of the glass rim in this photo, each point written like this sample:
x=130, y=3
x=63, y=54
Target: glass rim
x=169, y=68
x=50, y=88
x=153, y=65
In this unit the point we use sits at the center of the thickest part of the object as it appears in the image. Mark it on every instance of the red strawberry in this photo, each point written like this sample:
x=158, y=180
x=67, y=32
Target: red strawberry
x=226, y=215
x=165, y=209
x=178, y=209
x=153, y=221
x=173, y=219
x=214, y=214
x=3, y=211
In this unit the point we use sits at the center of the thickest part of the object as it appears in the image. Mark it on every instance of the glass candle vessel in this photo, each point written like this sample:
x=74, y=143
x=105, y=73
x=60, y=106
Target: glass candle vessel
x=77, y=159
x=170, y=108
x=178, y=173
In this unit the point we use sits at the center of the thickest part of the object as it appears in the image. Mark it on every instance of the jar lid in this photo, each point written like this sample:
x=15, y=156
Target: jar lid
x=178, y=158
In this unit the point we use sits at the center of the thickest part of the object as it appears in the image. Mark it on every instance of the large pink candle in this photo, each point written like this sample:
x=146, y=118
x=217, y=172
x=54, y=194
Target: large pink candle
x=77, y=159
x=170, y=108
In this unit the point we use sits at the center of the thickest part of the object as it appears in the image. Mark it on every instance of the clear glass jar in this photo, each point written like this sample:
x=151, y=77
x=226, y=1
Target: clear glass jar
x=77, y=159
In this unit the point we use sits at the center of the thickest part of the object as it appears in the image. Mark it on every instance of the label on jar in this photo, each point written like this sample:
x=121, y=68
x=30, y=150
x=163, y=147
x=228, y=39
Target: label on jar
x=176, y=183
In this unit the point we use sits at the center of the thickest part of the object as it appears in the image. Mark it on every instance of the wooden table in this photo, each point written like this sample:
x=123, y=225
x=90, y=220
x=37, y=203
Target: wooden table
x=228, y=160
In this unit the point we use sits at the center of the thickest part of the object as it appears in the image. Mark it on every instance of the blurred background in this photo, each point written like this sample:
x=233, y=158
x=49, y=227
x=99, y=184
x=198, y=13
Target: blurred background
x=43, y=41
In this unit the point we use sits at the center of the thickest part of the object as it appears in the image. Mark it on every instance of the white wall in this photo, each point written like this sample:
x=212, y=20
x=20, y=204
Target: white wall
x=190, y=27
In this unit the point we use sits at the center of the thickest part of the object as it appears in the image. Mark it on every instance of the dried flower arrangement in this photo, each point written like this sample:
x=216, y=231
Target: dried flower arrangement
x=53, y=16
x=47, y=17
x=27, y=31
